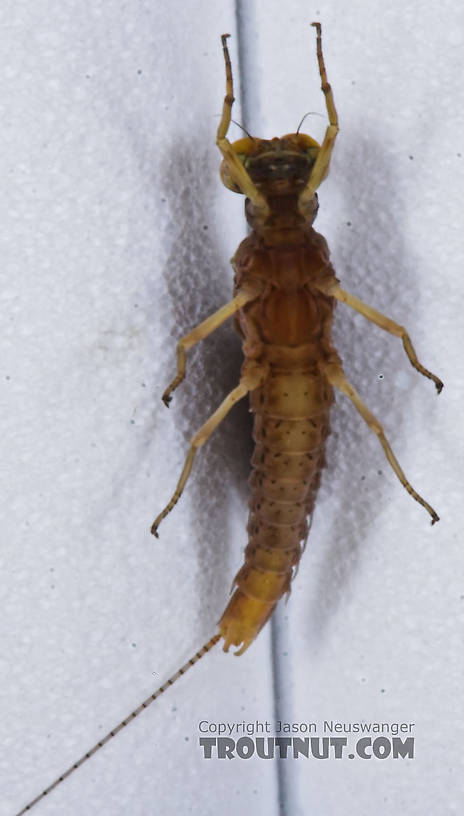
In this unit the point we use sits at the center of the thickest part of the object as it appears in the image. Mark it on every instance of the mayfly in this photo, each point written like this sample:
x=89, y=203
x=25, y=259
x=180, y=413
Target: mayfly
x=285, y=293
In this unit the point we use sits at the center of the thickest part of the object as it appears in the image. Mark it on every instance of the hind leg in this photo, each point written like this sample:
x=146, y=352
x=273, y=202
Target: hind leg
x=253, y=375
x=336, y=377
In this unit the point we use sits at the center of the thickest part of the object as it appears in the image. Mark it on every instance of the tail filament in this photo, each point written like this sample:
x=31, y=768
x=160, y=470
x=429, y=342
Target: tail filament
x=209, y=645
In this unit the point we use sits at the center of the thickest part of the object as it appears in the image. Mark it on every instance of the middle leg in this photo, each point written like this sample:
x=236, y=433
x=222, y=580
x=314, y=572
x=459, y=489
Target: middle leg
x=245, y=295
x=331, y=287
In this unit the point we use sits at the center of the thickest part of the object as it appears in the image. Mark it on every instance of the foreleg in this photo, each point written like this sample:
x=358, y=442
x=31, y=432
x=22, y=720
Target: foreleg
x=235, y=167
x=321, y=165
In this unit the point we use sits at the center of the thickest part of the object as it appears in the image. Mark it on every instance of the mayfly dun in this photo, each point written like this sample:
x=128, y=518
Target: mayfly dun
x=284, y=298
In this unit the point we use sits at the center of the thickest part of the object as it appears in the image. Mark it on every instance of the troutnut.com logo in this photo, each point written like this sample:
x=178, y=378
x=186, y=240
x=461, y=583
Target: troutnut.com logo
x=288, y=740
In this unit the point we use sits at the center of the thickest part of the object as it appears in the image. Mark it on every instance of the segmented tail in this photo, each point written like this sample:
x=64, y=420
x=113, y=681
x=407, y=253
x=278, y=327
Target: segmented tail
x=209, y=645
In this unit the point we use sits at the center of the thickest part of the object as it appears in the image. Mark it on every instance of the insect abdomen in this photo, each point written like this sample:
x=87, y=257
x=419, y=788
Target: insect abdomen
x=287, y=462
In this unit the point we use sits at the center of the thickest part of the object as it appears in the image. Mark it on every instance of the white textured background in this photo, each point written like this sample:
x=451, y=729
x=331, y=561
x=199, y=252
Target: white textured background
x=115, y=238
